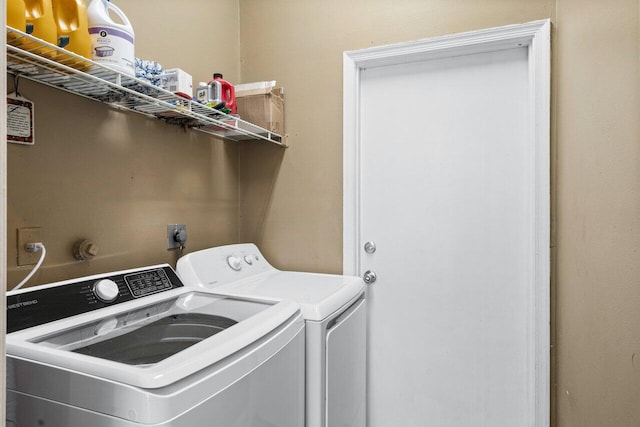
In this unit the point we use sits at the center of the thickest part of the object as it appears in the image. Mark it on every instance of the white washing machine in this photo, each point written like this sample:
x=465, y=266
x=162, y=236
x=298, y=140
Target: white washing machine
x=334, y=310
x=137, y=348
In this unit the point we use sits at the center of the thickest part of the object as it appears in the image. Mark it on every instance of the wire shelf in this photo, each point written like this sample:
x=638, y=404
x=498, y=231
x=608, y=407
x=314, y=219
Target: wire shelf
x=37, y=60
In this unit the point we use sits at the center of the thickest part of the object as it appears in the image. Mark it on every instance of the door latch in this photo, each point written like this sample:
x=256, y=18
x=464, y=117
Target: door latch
x=370, y=247
x=369, y=277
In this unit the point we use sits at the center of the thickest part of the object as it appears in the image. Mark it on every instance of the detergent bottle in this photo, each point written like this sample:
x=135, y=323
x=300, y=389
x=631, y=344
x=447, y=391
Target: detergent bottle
x=112, y=43
x=16, y=15
x=39, y=13
x=17, y=19
x=73, y=31
x=224, y=91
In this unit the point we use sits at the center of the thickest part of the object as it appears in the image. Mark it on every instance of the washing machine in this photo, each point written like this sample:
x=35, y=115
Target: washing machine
x=334, y=310
x=138, y=348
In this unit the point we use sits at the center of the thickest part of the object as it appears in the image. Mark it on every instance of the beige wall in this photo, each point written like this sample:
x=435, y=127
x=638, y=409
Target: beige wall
x=199, y=36
x=119, y=178
x=597, y=107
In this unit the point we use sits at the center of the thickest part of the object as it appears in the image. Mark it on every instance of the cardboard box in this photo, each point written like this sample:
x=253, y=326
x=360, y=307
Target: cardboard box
x=264, y=108
x=176, y=80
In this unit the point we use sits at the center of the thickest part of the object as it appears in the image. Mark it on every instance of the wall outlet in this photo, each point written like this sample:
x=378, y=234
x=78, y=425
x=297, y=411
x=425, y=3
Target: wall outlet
x=175, y=234
x=28, y=235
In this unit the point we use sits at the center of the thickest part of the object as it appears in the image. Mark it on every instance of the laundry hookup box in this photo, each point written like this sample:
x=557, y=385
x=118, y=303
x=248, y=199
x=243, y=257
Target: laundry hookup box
x=262, y=104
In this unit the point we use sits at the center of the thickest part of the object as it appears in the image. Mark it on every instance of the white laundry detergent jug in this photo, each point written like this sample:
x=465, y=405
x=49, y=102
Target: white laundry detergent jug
x=111, y=42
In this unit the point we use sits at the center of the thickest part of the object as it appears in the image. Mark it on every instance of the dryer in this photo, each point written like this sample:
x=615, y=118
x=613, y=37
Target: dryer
x=334, y=310
x=138, y=348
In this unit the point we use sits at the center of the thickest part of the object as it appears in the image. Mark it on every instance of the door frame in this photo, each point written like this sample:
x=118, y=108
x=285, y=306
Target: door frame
x=536, y=37
x=3, y=218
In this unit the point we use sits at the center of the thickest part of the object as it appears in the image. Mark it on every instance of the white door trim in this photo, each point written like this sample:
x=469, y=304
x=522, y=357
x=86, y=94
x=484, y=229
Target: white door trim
x=536, y=37
x=3, y=219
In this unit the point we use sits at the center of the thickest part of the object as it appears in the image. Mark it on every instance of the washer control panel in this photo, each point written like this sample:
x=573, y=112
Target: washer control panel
x=47, y=303
x=147, y=282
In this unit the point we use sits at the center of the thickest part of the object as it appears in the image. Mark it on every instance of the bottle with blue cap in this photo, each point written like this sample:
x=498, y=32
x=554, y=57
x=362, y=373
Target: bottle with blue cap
x=39, y=14
x=71, y=20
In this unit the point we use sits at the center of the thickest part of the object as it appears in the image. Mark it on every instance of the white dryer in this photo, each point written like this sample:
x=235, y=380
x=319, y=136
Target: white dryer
x=333, y=307
x=137, y=348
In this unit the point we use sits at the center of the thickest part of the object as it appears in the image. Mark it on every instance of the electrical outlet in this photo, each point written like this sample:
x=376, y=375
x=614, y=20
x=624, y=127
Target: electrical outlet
x=175, y=232
x=28, y=235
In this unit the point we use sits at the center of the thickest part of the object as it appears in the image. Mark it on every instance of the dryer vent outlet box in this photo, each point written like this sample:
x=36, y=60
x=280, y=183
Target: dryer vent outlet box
x=176, y=235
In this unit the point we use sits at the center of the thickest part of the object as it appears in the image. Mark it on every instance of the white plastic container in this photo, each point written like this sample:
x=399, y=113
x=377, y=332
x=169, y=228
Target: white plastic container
x=112, y=43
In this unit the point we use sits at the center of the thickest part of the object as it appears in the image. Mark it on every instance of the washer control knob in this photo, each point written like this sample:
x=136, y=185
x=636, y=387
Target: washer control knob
x=106, y=290
x=234, y=262
x=248, y=260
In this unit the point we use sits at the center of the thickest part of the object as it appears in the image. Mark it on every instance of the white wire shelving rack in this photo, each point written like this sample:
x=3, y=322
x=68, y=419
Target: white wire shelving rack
x=34, y=59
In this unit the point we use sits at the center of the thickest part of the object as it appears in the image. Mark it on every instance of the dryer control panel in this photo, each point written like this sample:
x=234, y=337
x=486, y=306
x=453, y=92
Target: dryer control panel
x=220, y=265
x=47, y=303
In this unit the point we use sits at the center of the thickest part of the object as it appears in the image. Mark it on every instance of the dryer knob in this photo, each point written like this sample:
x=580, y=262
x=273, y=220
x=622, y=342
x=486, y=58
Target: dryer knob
x=106, y=290
x=234, y=262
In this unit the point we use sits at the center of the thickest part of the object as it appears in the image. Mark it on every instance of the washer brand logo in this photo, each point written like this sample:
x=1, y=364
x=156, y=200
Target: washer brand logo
x=22, y=304
x=103, y=33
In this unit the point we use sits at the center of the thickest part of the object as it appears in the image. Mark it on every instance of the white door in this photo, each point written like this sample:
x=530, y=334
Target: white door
x=447, y=187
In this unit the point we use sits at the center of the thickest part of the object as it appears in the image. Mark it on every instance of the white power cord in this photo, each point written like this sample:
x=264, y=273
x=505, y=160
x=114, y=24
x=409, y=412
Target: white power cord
x=32, y=247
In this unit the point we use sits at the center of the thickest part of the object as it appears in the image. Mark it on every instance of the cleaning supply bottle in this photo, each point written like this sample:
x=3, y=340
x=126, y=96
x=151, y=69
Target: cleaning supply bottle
x=223, y=91
x=71, y=22
x=39, y=13
x=202, y=93
x=17, y=19
x=214, y=92
x=112, y=43
x=16, y=15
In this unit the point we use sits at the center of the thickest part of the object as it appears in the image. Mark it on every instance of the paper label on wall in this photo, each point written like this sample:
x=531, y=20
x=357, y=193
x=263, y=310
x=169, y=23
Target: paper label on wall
x=20, y=118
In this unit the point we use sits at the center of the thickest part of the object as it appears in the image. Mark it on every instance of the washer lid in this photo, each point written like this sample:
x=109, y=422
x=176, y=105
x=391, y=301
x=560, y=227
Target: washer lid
x=104, y=343
x=319, y=295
